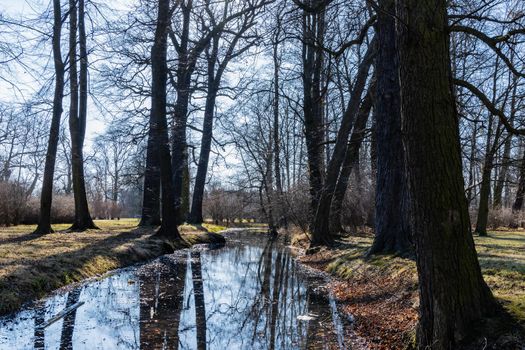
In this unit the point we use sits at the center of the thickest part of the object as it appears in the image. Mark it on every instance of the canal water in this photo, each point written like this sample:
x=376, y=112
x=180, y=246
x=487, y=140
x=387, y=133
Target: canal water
x=248, y=294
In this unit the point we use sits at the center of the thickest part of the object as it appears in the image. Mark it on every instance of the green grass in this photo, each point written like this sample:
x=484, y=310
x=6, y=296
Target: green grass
x=502, y=260
x=31, y=267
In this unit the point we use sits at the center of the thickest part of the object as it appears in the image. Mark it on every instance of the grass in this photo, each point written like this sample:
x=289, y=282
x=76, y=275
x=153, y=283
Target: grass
x=381, y=291
x=502, y=260
x=31, y=267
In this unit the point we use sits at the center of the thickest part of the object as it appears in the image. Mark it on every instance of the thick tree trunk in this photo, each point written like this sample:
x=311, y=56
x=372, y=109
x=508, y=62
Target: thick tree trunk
x=179, y=156
x=391, y=223
x=313, y=35
x=354, y=146
x=452, y=292
x=159, y=75
x=321, y=228
x=78, y=115
x=151, y=195
x=46, y=197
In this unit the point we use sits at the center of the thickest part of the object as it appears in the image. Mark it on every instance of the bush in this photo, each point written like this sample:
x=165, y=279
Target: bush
x=13, y=203
x=62, y=210
x=505, y=218
x=358, y=207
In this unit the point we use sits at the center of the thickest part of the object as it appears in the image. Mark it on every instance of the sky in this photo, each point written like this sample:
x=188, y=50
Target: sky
x=27, y=82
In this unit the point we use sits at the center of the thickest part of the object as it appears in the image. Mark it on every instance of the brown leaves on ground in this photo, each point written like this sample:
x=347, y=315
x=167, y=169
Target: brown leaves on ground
x=380, y=293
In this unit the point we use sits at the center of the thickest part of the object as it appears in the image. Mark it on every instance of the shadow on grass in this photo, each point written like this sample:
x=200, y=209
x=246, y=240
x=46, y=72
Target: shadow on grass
x=39, y=276
x=500, y=238
x=42, y=275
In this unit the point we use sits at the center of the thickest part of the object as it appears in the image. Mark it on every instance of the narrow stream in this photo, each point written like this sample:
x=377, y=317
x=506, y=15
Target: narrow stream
x=249, y=294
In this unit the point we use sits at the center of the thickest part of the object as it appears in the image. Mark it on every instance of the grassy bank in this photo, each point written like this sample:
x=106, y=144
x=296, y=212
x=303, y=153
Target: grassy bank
x=31, y=267
x=381, y=292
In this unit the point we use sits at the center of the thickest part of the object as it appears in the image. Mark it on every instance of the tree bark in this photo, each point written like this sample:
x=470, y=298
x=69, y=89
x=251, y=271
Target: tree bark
x=354, y=146
x=452, y=292
x=159, y=75
x=46, y=197
x=278, y=194
x=488, y=164
x=196, y=216
x=151, y=195
x=78, y=115
x=185, y=68
x=312, y=55
x=504, y=173
x=391, y=223
x=321, y=229
x=520, y=193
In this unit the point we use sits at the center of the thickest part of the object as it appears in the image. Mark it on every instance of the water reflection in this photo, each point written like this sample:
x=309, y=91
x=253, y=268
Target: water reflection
x=247, y=295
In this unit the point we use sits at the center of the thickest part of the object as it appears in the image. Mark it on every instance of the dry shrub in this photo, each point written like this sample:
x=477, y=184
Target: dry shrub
x=13, y=203
x=504, y=217
x=358, y=206
x=229, y=205
x=105, y=209
x=297, y=206
x=62, y=210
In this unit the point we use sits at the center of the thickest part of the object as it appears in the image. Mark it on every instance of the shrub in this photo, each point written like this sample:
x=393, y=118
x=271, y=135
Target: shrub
x=13, y=203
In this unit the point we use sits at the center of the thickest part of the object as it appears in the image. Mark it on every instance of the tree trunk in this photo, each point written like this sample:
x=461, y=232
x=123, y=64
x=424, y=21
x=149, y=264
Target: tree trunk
x=196, y=216
x=321, y=229
x=313, y=35
x=452, y=292
x=278, y=195
x=520, y=193
x=504, y=173
x=179, y=148
x=159, y=75
x=78, y=115
x=391, y=223
x=358, y=134
x=151, y=195
x=484, y=194
x=44, y=222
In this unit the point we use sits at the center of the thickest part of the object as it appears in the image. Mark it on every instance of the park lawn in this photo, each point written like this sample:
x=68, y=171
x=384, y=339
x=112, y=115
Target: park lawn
x=381, y=292
x=31, y=267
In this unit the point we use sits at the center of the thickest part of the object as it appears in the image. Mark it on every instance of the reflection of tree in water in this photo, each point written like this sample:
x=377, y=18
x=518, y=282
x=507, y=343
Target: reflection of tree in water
x=253, y=297
x=200, y=306
x=68, y=326
x=40, y=314
x=161, y=302
x=246, y=295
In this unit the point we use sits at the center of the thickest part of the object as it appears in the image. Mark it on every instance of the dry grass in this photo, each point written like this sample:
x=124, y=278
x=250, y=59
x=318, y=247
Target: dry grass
x=381, y=292
x=31, y=267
